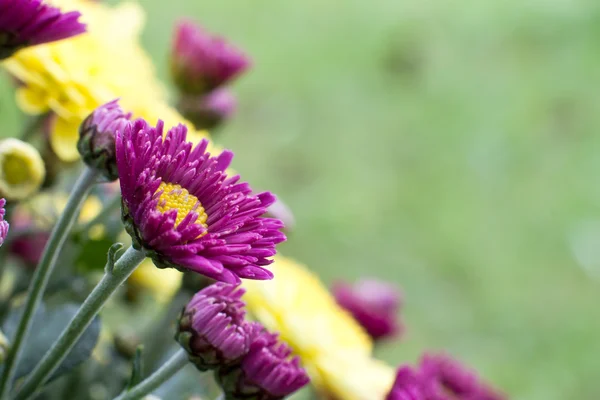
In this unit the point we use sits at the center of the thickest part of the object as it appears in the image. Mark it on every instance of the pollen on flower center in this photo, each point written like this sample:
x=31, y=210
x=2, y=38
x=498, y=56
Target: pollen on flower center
x=174, y=197
x=16, y=169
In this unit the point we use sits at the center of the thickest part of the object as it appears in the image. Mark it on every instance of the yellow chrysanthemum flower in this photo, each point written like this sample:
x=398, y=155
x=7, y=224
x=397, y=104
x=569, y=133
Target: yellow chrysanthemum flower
x=162, y=283
x=74, y=76
x=22, y=169
x=334, y=349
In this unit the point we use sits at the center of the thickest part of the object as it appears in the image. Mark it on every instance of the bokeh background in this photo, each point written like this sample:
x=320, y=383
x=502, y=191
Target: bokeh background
x=451, y=147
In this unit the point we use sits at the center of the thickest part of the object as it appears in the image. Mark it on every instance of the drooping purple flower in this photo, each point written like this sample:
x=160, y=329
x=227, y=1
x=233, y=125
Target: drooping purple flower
x=180, y=206
x=267, y=372
x=407, y=386
x=201, y=62
x=446, y=379
x=96, y=142
x=29, y=22
x=210, y=111
x=212, y=328
x=374, y=304
x=3, y=223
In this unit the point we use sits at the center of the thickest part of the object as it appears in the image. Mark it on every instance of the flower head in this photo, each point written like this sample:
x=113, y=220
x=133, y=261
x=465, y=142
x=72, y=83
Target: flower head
x=97, y=138
x=212, y=328
x=446, y=379
x=208, y=112
x=373, y=303
x=201, y=62
x=29, y=22
x=185, y=212
x=22, y=170
x=267, y=372
x=3, y=223
x=332, y=346
x=407, y=386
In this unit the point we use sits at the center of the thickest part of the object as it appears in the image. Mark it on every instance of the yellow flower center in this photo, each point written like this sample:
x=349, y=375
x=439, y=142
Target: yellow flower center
x=174, y=197
x=22, y=169
x=16, y=169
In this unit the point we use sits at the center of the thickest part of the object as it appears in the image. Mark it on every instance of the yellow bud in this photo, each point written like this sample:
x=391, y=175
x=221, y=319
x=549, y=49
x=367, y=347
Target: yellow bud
x=22, y=170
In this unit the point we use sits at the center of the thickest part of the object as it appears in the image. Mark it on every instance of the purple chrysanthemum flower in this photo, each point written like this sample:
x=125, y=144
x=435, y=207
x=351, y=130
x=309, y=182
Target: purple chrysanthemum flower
x=201, y=62
x=29, y=22
x=407, y=386
x=212, y=328
x=446, y=379
x=180, y=206
x=210, y=111
x=3, y=223
x=96, y=142
x=267, y=372
x=374, y=304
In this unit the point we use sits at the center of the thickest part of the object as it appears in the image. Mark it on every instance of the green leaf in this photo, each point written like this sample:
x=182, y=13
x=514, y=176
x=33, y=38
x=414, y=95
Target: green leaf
x=137, y=370
x=47, y=326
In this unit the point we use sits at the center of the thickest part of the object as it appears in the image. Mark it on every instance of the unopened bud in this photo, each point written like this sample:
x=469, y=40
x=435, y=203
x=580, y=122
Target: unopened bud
x=97, y=138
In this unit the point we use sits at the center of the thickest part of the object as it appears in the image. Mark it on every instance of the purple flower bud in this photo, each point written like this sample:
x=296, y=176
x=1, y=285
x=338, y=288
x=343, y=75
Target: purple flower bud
x=29, y=22
x=267, y=372
x=374, y=304
x=208, y=112
x=97, y=138
x=3, y=223
x=407, y=386
x=201, y=62
x=446, y=379
x=212, y=328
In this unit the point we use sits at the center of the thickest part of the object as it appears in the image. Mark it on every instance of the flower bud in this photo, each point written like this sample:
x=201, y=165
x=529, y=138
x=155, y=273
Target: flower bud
x=97, y=138
x=3, y=223
x=407, y=386
x=212, y=328
x=201, y=62
x=374, y=304
x=267, y=372
x=21, y=169
x=208, y=112
x=445, y=378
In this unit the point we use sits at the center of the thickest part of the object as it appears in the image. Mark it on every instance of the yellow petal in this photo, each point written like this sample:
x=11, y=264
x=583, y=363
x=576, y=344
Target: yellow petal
x=63, y=139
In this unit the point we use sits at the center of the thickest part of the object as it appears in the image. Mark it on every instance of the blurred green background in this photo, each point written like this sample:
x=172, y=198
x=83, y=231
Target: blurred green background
x=449, y=146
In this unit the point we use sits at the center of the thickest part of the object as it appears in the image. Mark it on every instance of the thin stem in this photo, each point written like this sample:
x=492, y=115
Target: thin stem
x=168, y=369
x=43, y=271
x=89, y=309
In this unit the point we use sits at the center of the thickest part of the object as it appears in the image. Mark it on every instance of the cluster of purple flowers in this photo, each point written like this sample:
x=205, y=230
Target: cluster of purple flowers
x=439, y=377
x=248, y=361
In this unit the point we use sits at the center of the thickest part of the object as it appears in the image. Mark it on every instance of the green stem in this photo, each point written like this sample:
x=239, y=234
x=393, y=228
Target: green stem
x=168, y=369
x=110, y=282
x=43, y=271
